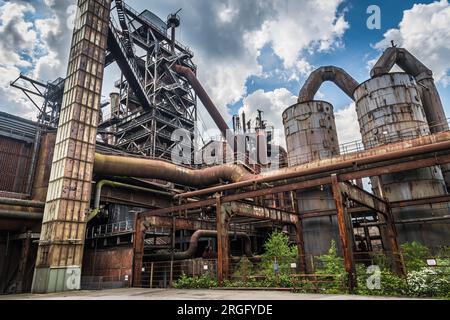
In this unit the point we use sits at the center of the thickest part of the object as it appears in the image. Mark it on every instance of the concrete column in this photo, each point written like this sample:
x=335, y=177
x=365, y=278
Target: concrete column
x=58, y=265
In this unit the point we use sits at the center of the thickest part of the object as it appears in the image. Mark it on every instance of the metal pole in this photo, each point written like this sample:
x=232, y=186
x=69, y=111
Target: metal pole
x=173, y=251
x=219, y=242
x=151, y=275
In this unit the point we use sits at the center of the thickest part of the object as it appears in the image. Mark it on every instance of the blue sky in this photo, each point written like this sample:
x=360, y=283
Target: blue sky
x=353, y=57
x=240, y=47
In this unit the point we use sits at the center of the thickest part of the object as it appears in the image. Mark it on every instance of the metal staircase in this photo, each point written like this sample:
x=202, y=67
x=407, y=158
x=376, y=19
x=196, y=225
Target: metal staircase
x=119, y=46
x=127, y=42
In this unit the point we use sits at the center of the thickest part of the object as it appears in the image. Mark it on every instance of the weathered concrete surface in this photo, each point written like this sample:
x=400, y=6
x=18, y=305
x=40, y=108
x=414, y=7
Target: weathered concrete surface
x=178, y=294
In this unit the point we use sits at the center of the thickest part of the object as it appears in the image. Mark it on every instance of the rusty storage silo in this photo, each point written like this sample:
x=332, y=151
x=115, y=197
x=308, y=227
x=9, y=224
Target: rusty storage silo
x=310, y=132
x=389, y=109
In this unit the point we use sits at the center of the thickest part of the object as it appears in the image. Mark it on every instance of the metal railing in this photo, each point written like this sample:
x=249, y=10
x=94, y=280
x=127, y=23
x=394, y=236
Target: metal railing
x=162, y=31
x=360, y=145
x=107, y=230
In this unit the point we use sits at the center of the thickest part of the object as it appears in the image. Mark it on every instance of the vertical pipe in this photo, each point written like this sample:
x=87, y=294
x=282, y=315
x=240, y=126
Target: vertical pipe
x=219, y=242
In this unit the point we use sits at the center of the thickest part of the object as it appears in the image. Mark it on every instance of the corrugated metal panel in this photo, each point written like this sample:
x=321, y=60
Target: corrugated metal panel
x=15, y=160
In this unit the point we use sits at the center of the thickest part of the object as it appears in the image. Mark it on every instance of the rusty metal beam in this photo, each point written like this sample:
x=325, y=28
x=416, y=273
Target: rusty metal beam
x=364, y=198
x=422, y=201
x=344, y=234
x=259, y=212
x=180, y=223
x=391, y=232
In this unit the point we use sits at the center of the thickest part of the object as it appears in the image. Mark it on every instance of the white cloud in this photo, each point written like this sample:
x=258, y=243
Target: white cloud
x=347, y=125
x=301, y=25
x=17, y=44
x=272, y=103
x=226, y=46
x=292, y=27
x=425, y=32
x=36, y=47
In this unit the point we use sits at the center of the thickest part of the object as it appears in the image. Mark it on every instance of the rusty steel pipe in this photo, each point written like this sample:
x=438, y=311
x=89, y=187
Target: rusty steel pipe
x=205, y=99
x=7, y=214
x=193, y=245
x=21, y=202
x=413, y=147
x=327, y=73
x=404, y=59
x=158, y=169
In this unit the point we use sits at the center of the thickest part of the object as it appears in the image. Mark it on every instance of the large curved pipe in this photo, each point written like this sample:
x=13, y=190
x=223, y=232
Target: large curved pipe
x=404, y=59
x=193, y=245
x=205, y=99
x=432, y=104
x=327, y=73
x=157, y=169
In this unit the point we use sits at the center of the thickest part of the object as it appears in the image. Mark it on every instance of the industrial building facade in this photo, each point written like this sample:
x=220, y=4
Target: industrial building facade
x=88, y=201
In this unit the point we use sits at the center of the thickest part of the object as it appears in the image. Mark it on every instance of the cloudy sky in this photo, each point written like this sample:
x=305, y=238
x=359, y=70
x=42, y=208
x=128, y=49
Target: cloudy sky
x=251, y=55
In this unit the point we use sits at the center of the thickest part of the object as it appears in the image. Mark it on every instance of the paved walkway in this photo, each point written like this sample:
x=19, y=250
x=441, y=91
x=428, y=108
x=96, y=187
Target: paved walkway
x=178, y=294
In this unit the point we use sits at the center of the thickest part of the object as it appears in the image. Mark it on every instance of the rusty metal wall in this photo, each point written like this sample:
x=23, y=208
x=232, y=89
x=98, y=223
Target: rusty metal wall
x=311, y=134
x=105, y=268
x=15, y=161
x=389, y=109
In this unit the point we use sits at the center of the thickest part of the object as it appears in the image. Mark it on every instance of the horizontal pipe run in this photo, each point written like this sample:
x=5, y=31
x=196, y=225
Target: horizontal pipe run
x=21, y=202
x=327, y=166
x=310, y=182
x=6, y=214
x=157, y=169
x=193, y=245
x=408, y=221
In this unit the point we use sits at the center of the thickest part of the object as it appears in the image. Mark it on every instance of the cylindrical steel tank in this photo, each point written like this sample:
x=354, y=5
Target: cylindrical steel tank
x=389, y=109
x=310, y=132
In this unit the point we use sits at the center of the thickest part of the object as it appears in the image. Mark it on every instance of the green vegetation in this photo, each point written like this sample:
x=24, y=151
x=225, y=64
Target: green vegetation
x=330, y=276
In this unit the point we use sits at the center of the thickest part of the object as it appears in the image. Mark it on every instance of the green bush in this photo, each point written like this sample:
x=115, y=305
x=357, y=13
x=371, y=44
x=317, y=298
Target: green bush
x=332, y=266
x=415, y=255
x=277, y=248
x=429, y=282
x=390, y=283
x=244, y=269
x=203, y=282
